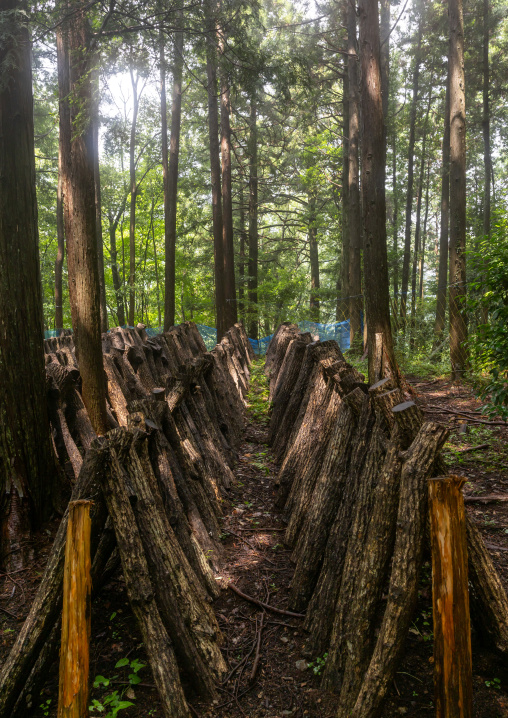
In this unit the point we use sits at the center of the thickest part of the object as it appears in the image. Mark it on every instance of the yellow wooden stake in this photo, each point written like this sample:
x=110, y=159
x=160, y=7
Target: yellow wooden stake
x=77, y=586
x=453, y=681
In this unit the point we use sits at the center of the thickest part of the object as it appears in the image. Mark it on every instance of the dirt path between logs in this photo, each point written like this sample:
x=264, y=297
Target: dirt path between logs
x=268, y=674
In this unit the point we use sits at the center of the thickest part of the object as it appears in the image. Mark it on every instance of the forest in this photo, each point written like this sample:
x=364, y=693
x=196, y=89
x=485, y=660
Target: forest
x=254, y=358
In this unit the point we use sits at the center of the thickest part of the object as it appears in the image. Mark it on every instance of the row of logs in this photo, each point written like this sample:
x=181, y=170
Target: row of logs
x=354, y=466
x=156, y=480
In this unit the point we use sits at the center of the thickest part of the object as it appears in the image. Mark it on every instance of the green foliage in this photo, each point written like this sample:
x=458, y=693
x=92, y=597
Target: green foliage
x=112, y=703
x=318, y=664
x=45, y=707
x=494, y=683
x=258, y=403
x=489, y=343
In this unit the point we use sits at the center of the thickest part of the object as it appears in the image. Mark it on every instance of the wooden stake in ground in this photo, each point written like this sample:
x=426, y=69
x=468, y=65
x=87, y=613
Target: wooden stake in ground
x=77, y=589
x=452, y=631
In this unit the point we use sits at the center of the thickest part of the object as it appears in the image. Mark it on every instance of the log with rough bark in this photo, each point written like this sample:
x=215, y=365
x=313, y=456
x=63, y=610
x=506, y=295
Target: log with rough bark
x=283, y=331
x=141, y=593
x=181, y=510
x=300, y=469
x=488, y=599
x=46, y=606
x=281, y=436
x=453, y=676
x=76, y=624
x=405, y=571
x=180, y=598
x=312, y=409
x=286, y=380
x=374, y=554
x=315, y=445
x=322, y=507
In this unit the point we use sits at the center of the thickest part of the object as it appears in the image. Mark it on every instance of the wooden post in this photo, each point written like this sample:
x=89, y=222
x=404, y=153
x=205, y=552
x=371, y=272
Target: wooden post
x=453, y=680
x=77, y=586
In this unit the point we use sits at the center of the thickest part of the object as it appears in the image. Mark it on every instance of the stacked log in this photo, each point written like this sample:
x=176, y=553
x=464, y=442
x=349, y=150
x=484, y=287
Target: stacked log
x=355, y=463
x=157, y=480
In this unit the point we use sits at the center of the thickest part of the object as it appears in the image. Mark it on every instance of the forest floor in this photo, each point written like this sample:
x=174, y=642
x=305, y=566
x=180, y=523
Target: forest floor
x=256, y=561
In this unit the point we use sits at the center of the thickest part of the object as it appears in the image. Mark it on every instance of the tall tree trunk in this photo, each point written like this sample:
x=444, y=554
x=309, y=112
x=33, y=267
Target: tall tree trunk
x=241, y=261
x=314, y=260
x=60, y=252
x=98, y=198
x=417, y=249
x=215, y=175
x=385, y=59
x=80, y=223
x=457, y=293
x=253, y=219
x=424, y=233
x=354, y=219
x=373, y=198
x=133, y=188
x=443, y=232
x=395, y=222
x=227, y=198
x=410, y=172
x=342, y=311
x=171, y=171
x=64, y=120
x=117, y=282
x=487, y=159
x=156, y=263
x=27, y=466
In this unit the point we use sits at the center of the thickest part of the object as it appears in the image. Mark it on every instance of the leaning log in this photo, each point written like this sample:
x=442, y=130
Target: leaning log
x=47, y=604
x=141, y=594
x=403, y=588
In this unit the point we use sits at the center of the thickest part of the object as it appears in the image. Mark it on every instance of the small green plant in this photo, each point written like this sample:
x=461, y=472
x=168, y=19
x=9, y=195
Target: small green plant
x=45, y=707
x=318, y=664
x=112, y=703
x=494, y=683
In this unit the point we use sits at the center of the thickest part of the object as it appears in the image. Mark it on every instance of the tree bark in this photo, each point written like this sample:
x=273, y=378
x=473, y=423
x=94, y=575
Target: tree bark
x=170, y=204
x=253, y=314
x=76, y=614
x=60, y=252
x=98, y=199
x=80, y=224
x=47, y=604
x=314, y=260
x=406, y=564
x=373, y=194
x=453, y=679
x=231, y=316
x=442, y=277
x=410, y=171
x=215, y=174
x=133, y=191
x=342, y=282
x=459, y=355
x=353, y=180
x=417, y=246
x=27, y=464
x=141, y=593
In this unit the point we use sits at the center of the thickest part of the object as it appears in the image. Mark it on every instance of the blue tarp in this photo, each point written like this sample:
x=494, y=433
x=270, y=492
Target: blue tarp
x=338, y=331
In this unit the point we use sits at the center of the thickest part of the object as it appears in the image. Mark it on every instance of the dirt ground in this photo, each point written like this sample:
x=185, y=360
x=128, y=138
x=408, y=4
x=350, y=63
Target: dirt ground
x=258, y=563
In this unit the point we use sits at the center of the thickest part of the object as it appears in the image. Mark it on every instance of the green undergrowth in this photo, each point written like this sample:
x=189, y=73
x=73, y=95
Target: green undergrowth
x=258, y=402
x=414, y=365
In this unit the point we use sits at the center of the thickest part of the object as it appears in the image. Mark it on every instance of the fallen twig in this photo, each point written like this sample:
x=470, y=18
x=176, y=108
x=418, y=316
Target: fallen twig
x=281, y=611
x=470, y=419
x=12, y=615
x=489, y=499
x=258, y=650
x=473, y=448
x=495, y=547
